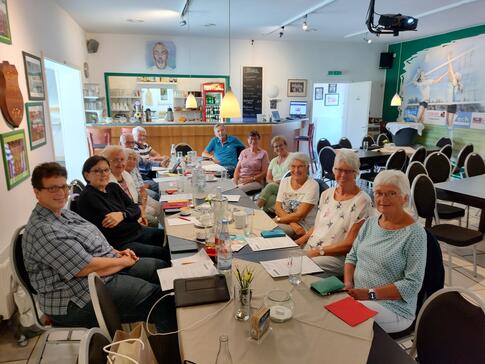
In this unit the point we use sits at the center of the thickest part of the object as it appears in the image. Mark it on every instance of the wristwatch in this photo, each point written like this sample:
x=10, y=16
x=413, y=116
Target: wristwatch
x=321, y=251
x=278, y=219
x=372, y=294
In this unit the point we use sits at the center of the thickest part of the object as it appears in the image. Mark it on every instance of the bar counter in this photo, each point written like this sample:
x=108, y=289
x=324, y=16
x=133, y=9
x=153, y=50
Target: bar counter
x=161, y=135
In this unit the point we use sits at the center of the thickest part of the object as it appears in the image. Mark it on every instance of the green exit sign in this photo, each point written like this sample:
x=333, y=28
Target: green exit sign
x=335, y=73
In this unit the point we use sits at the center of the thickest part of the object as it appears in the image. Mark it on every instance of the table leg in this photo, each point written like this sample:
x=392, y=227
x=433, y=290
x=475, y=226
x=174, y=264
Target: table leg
x=481, y=224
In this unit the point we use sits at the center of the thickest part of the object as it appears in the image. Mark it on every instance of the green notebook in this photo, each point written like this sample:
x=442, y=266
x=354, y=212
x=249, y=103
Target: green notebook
x=327, y=286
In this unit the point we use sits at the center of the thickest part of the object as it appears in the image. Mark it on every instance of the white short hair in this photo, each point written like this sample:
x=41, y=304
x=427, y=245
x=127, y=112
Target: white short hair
x=130, y=152
x=109, y=150
x=301, y=157
x=136, y=130
x=348, y=157
x=395, y=178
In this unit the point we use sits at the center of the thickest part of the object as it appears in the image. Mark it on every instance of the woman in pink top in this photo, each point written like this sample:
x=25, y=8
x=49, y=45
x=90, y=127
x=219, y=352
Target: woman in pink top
x=252, y=166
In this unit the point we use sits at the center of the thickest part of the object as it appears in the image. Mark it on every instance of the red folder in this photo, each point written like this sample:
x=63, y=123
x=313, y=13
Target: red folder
x=351, y=311
x=175, y=204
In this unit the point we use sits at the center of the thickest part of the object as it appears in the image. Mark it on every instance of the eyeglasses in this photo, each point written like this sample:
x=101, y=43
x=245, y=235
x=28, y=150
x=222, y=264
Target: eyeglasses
x=118, y=160
x=343, y=171
x=55, y=189
x=100, y=172
x=389, y=194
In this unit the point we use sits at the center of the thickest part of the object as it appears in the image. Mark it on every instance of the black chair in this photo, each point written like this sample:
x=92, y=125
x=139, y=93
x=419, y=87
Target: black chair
x=76, y=186
x=323, y=142
x=414, y=169
x=458, y=170
x=433, y=280
x=382, y=139
x=450, y=328
x=419, y=155
x=370, y=141
x=72, y=202
x=395, y=161
x=474, y=165
x=424, y=200
x=345, y=143
x=184, y=148
x=443, y=141
x=438, y=166
x=327, y=158
x=239, y=149
x=91, y=347
x=447, y=150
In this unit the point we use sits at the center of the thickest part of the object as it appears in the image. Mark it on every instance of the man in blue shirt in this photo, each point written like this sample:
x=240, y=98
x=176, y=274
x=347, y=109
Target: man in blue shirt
x=223, y=149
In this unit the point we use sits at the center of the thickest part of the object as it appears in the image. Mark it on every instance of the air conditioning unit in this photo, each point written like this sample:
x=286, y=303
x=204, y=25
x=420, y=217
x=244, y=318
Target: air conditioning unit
x=7, y=305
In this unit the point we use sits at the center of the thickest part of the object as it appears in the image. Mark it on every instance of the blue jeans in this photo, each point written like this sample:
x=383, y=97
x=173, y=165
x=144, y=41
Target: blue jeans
x=148, y=243
x=133, y=291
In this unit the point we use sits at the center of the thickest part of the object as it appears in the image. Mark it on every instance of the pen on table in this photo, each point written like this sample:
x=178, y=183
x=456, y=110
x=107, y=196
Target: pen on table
x=184, y=218
x=185, y=263
x=274, y=270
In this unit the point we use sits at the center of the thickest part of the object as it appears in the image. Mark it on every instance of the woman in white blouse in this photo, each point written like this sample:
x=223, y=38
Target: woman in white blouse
x=341, y=213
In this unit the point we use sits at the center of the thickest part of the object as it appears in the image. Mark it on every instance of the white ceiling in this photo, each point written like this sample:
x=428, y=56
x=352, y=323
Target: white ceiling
x=255, y=19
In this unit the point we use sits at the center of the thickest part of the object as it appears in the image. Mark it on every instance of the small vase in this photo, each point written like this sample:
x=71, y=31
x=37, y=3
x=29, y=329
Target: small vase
x=242, y=302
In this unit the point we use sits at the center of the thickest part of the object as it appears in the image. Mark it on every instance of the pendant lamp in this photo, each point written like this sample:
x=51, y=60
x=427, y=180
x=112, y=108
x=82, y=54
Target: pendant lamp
x=396, y=99
x=191, y=101
x=229, y=105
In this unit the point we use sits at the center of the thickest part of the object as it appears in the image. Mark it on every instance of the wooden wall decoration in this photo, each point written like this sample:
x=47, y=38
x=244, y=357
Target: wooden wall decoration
x=11, y=100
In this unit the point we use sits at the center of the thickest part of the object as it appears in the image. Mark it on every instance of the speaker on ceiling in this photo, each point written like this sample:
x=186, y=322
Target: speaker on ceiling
x=386, y=60
x=92, y=45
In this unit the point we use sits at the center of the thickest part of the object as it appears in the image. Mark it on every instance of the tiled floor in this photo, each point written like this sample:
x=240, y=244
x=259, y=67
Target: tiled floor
x=462, y=274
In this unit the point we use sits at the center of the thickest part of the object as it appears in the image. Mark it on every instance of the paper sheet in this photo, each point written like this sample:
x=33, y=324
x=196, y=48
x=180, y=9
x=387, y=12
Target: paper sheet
x=186, y=220
x=279, y=267
x=166, y=179
x=176, y=197
x=232, y=198
x=213, y=168
x=238, y=242
x=161, y=169
x=168, y=275
x=260, y=243
x=200, y=257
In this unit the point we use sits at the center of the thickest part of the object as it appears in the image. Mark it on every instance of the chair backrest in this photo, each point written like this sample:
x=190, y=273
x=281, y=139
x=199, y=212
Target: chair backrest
x=345, y=143
x=382, y=139
x=72, y=202
x=183, y=147
x=311, y=129
x=438, y=166
x=447, y=150
x=287, y=174
x=91, y=347
x=370, y=141
x=414, y=169
x=239, y=149
x=474, y=165
x=443, y=141
x=323, y=142
x=98, y=138
x=396, y=160
x=327, y=158
x=462, y=154
x=106, y=312
x=418, y=155
x=76, y=186
x=434, y=274
x=20, y=273
x=451, y=328
x=423, y=198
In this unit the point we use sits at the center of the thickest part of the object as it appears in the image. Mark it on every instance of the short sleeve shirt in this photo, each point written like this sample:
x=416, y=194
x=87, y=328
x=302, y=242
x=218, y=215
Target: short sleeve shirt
x=279, y=170
x=55, y=249
x=225, y=153
x=252, y=163
x=291, y=199
x=143, y=150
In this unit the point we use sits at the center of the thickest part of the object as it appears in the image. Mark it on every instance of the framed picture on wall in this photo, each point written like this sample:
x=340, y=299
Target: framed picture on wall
x=34, y=76
x=297, y=88
x=36, y=122
x=318, y=93
x=5, y=36
x=331, y=99
x=15, y=158
x=332, y=88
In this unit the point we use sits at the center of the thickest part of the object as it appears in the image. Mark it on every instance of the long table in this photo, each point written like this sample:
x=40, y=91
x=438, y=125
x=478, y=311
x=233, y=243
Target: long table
x=468, y=191
x=195, y=343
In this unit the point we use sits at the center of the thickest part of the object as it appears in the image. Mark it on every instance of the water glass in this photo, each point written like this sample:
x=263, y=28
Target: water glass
x=248, y=228
x=295, y=261
x=365, y=145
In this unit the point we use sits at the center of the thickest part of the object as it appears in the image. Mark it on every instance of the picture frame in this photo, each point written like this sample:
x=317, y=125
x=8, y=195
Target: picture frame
x=297, y=88
x=5, y=35
x=34, y=76
x=36, y=123
x=331, y=99
x=318, y=93
x=332, y=88
x=15, y=157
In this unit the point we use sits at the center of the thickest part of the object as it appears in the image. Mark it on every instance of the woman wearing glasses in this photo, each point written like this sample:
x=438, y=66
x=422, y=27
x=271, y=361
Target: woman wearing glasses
x=107, y=206
x=385, y=267
x=341, y=213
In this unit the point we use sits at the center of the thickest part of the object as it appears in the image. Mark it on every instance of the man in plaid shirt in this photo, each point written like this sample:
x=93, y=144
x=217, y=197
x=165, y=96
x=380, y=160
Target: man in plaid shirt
x=60, y=249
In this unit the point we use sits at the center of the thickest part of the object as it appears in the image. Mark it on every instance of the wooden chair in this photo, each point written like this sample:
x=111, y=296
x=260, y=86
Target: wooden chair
x=98, y=139
x=309, y=139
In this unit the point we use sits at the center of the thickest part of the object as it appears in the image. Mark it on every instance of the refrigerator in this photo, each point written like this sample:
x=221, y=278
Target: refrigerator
x=341, y=110
x=212, y=94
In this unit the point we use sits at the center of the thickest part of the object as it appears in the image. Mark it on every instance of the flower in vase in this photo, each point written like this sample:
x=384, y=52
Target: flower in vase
x=244, y=277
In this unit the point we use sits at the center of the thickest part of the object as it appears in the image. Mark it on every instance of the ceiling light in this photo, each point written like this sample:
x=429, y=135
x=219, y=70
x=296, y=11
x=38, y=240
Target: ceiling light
x=183, y=23
x=396, y=99
x=305, y=23
x=191, y=102
x=135, y=20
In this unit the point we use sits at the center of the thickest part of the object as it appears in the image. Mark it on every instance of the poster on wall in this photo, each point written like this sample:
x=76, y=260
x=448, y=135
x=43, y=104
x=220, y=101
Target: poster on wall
x=5, y=36
x=36, y=122
x=15, y=159
x=33, y=74
x=445, y=85
x=160, y=55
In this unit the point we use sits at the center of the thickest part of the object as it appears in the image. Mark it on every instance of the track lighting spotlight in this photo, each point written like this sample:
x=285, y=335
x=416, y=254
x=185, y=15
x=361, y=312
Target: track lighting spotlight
x=305, y=23
x=282, y=32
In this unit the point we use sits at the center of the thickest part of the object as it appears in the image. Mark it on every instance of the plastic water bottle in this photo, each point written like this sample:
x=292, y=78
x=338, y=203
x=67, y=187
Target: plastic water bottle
x=173, y=155
x=224, y=249
x=223, y=355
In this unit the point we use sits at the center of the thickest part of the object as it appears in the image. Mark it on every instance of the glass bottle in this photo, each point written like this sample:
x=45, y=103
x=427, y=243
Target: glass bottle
x=223, y=355
x=224, y=249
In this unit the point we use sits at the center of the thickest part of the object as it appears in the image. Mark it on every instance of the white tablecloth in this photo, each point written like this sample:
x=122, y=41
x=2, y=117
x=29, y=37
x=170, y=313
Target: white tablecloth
x=395, y=126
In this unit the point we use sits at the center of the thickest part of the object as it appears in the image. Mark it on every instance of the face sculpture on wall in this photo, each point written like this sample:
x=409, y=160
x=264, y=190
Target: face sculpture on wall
x=160, y=55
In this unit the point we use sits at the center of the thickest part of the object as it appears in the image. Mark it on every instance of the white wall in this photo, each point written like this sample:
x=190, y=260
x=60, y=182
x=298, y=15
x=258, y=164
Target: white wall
x=281, y=60
x=37, y=27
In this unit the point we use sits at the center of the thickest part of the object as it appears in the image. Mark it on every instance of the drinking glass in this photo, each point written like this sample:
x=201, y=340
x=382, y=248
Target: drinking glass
x=248, y=228
x=295, y=261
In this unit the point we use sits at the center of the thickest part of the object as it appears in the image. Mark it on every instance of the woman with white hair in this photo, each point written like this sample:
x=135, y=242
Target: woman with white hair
x=341, y=213
x=297, y=199
x=385, y=267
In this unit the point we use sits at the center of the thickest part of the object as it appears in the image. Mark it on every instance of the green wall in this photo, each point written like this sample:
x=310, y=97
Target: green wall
x=432, y=132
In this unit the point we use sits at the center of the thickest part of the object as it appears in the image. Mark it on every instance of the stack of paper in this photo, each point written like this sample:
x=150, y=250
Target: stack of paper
x=259, y=243
x=279, y=267
x=176, y=197
x=213, y=168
